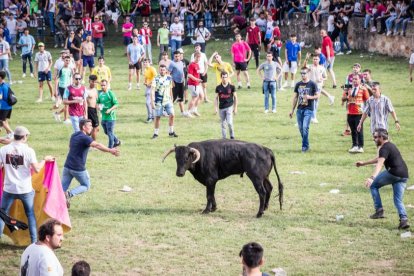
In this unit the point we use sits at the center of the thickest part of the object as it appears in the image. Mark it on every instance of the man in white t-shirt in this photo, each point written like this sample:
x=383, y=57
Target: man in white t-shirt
x=43, y=66
x=202, y=35
x=203, y=65
x=39, y=258
x=18, y=159
x=411, y=62
x=11, y=24
x=4, y=57
x=176, y=32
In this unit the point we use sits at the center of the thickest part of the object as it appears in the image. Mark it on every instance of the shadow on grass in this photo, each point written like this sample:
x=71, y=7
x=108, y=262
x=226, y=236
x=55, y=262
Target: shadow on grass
x=138, y=211
x=11, y=247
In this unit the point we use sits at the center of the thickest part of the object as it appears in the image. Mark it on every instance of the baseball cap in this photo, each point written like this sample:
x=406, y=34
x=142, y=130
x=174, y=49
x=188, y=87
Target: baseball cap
x=180, y=50
x=40, y=44
x=21, y=131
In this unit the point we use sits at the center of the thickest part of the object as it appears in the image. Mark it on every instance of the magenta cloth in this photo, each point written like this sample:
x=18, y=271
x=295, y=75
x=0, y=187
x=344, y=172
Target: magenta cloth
x=55, y=205
x=1, y=185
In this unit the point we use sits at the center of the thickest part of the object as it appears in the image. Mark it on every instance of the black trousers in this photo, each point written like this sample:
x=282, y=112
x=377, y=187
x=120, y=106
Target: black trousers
x=255, y=49
x=357, y=137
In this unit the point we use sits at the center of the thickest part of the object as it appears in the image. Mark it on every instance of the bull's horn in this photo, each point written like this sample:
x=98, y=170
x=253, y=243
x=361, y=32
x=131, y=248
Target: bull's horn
x=197, y=153
x=167, y=153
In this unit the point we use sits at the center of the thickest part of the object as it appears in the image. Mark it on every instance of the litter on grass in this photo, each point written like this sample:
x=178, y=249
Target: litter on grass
x=406, y=235
x=334, y=191
x=126, y=189
x=279, y=271
x=297, y=172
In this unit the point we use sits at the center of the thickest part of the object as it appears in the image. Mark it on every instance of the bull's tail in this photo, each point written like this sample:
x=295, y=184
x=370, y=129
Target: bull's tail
x=280, y=184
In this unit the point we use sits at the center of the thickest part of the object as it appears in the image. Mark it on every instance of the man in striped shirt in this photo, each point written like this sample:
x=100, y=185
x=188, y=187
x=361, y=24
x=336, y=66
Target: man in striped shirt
x=378, y=107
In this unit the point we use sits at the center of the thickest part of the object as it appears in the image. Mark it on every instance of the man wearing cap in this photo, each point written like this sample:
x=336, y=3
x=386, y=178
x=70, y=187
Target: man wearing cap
x=377, y=108
x=18, y=159
x=27, y=43
x=43, y=65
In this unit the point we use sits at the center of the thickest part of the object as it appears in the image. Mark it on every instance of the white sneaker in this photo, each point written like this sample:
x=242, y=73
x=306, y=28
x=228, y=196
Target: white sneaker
x=24, y=75
x=138, y=87
x=53, y=98
x=39, y=100
x=266, y=111
x=389, y=33
x=31, y=75
x=56, y=116
x=360, y=150
x=411, y=188
x=67, y=121
x=331, y=100
x=353, y=149
x=285, y=84
x=349, y=52
x=292, y=85
x=274, y=111
x=339, y=53
x=315, y=121
x=288, y=23
x=373, y=29
x=129, y=87
x=195, y=112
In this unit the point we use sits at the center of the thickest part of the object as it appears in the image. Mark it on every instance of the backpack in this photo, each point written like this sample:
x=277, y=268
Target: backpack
x=11, y=98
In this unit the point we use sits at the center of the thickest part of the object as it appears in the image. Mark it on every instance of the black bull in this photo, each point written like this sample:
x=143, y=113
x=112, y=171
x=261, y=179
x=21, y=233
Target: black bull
x=212, y=160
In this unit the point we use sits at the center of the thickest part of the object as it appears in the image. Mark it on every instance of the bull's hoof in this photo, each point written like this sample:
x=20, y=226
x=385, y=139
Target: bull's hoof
x=206, y=211
x=213, y=209
x=259, y=215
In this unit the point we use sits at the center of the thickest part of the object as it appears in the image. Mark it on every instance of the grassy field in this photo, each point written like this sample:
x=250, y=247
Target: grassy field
x=158, y=228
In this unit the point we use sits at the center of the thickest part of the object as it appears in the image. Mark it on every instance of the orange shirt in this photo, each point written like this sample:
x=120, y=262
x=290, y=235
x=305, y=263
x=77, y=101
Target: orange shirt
x=356, y=99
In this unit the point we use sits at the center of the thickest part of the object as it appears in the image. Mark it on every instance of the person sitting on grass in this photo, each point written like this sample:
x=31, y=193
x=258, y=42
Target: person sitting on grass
x=252, y=259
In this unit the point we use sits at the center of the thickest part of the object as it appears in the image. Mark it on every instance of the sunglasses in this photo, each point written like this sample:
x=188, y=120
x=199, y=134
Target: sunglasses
x=303, y=73
x=103, y=85
x=78, y=78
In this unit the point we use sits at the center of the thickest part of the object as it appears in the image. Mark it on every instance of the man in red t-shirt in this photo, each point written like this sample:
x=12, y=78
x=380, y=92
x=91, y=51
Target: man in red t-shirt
x=328, y=51
x=98, y=29
x=355, y=98
x=253, y=38
x=75, y=98
x=194, y=84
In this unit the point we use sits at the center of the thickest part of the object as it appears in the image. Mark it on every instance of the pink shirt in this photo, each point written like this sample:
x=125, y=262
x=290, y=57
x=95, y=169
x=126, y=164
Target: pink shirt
x=146, y=35
x=239, y=51
x=87, y=24
x=127, y=26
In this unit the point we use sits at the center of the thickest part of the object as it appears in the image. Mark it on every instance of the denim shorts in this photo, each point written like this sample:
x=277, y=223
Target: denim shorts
x=159, y=110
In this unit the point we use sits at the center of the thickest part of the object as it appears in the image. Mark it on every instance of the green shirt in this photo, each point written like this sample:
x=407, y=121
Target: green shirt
x=107, y=99
x=163, y=32
x=65, y=77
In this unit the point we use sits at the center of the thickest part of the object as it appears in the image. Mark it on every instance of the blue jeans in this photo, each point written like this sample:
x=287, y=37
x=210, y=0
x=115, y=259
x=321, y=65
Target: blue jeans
x=269, y=87
x=4, y=66
x=51, y=16
x=190, y=23
x=366, y=21
x=75, y=122
x=398, y=187
x=81, y=176
x=175, y=44
x=292, y=10
x=25, y=58
x=28, y=202
x=343, y=38
x=208, y=20
x=402, y=22
x=98, y=42
x=304, y=117
x=108, y=127
x=389, y=22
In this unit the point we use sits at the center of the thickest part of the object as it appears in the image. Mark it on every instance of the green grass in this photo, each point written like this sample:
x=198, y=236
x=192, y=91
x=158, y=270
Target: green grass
x=158, y=228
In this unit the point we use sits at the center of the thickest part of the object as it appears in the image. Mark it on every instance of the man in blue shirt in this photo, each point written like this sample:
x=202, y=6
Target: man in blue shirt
x=27, y=43
x=135, y=54
x=5, y=108
x=74, y=167
x=176, y=69
x=292, y=59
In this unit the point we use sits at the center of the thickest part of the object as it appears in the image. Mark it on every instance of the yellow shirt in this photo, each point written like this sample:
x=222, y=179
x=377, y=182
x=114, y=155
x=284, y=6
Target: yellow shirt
x=218, y=68
x=103, y=73
x=149, y=75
